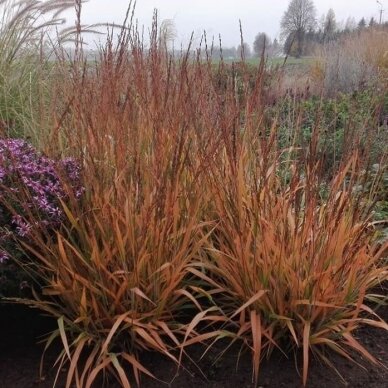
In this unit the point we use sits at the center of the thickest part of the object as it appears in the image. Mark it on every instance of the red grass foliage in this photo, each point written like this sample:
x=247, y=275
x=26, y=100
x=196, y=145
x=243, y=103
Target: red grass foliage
x=188, y=201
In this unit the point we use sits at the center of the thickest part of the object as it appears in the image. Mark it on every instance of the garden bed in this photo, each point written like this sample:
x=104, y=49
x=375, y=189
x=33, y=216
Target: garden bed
x=20, y=358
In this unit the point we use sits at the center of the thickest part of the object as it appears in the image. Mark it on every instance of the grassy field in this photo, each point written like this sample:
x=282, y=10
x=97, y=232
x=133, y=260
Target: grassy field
x=278, y=61
x=290, y=62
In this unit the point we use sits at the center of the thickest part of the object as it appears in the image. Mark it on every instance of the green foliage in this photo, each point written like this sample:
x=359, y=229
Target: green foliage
x=340, y=120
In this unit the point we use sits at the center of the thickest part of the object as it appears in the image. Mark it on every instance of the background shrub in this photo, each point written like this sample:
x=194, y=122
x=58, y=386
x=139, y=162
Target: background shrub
x=353, y=62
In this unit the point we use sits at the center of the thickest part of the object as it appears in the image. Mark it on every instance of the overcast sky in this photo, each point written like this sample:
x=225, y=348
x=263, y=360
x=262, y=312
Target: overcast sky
x=222, y=16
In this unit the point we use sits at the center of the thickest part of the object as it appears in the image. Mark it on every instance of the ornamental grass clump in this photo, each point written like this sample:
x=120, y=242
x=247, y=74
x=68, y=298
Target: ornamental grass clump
x=24, y=68
x=289, y=268
x=116, y=274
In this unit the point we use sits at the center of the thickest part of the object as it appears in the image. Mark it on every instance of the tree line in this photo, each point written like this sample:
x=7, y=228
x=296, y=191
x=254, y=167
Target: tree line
x=301, y=32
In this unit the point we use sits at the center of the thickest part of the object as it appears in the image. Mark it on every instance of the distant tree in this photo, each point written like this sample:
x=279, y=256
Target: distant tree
x=320, y=27
x=321, y=23
x=290, y=45
x=372, y=22
x=244, y=51
x=361, y=24
x=215, y=52
x=330, y=26
x=229, y=52
x=167, y=32
x=297, y=20
x=350, y=24
x=276, y=48
x=312, y=38
x=262, y=43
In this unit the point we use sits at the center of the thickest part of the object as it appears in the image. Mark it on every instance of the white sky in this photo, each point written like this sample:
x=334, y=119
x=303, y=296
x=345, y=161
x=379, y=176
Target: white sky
x=222, y=16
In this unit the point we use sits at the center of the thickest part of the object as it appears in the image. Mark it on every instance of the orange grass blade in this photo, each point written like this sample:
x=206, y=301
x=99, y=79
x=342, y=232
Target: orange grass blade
x=118, y=321
x=96, y=370
x=80, y=344
x=137, y=367
x=256, y=337
x=62, y=333
x=306, y=345
x=123, y=378
x=251, y=300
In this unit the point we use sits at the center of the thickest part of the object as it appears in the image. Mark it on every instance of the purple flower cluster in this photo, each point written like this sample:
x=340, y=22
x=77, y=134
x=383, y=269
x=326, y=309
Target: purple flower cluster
x=31, y=186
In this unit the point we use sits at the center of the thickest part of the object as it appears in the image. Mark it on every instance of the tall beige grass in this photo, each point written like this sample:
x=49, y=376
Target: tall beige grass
x=353, y=62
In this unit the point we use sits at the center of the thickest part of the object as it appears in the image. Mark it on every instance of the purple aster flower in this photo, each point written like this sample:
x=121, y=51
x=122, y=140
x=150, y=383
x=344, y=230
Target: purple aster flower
x=33, y=184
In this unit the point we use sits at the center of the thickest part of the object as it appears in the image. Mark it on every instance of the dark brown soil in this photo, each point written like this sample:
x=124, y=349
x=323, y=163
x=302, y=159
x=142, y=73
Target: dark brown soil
x=20, y=358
